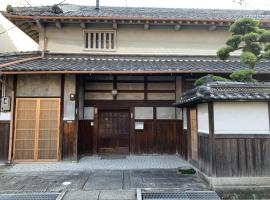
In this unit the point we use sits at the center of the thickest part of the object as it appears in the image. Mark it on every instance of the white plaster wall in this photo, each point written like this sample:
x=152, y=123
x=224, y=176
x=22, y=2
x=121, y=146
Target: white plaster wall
x=241, y=118
x=38, y=85
x=5, y=116
x=140, y=41
x=203, y=122
x=69, y=106
x=184, y=118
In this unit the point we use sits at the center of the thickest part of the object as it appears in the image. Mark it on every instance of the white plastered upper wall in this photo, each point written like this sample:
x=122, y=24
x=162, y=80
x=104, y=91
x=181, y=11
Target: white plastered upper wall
x=140, y=41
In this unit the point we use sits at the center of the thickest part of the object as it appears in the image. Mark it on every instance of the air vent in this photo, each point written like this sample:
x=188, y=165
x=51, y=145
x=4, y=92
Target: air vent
x=188, y=195
x=31, y=196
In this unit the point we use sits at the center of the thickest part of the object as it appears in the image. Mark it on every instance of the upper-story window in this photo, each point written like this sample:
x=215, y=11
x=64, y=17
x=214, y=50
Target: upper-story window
x=100, y=40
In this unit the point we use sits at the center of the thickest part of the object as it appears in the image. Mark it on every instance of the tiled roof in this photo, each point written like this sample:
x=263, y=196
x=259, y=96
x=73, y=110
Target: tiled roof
x=131, y=63
x=70, y=10
x=225, y=91
x=15, y=56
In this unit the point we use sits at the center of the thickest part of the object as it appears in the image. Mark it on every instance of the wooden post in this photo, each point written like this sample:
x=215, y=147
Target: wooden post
x=211, y=136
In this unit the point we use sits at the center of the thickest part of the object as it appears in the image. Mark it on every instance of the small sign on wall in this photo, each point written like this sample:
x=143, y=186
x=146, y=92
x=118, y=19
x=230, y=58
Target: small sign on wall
x=6, y=104
x=139, y=125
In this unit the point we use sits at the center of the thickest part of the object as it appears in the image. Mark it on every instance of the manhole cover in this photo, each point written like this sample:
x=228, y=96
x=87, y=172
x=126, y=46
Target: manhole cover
x=30, y=196
x=189, y=195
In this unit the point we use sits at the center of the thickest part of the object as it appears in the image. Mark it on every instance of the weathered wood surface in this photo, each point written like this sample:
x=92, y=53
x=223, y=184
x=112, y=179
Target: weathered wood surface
x=183, y=142
x=85, y=137
x=158, y=136
x=68, y=141
x=204, y=158
x=241, y=157
x=4, y=139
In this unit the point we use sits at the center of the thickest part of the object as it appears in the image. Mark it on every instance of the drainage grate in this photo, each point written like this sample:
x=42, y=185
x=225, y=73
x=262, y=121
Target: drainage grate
x=30, y=196
x=189, y=195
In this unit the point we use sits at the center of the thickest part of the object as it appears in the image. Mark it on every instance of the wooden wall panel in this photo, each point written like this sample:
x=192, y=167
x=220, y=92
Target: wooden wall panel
x=144, y=139
x=68, y=141
x=4, y=139
x=166, y=136
x=183, y=142
x=158, y=136
x=241, y=156
x=204, y=163
x=85, y=137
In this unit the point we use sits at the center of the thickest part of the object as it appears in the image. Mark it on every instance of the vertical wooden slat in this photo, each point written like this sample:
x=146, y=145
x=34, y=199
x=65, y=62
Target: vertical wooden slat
x=99, y=40
x=94, y=40
x=37, y=129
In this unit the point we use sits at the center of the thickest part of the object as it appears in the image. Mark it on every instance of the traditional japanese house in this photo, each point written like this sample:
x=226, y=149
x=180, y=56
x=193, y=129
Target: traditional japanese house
x=227, y=125
x=106, y=78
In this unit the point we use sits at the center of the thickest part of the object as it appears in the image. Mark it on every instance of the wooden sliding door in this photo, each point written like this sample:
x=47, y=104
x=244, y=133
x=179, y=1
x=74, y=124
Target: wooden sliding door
x=37, y=124
x=114, y=131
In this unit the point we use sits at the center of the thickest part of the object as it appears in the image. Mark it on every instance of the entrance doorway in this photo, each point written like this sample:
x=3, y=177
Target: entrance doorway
x=113, y=133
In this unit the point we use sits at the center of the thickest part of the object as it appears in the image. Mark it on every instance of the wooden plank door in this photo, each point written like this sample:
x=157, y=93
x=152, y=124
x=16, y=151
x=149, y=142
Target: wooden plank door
x=37, y=124
x=114, y=128
x=193, y=134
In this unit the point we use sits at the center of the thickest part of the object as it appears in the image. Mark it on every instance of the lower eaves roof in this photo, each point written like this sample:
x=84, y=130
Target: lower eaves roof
x=225, y=91
x=86, y=63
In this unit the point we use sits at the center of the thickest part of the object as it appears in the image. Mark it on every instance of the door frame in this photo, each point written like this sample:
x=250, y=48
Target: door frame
x=97, y=125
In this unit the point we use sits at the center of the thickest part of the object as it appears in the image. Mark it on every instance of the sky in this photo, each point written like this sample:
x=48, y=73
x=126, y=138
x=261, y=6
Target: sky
x=215, y=4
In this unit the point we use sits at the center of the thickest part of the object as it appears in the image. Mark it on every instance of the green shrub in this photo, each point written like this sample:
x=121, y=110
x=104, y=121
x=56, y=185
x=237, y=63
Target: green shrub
x=251, y=37
x=248, y=58
x=234, y=41
x=209, y=78
x=244, y=26
x=224, y=53
x=243, y=75
x=265, y=37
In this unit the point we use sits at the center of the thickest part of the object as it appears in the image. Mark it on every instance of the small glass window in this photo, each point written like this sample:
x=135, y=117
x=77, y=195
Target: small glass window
x=166, y=113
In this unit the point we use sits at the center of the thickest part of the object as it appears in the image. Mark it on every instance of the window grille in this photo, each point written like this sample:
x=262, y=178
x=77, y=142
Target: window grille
x=100, y=40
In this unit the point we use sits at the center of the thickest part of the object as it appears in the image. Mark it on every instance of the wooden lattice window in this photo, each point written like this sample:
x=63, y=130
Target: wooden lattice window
x=100, y=40
x=37, y=129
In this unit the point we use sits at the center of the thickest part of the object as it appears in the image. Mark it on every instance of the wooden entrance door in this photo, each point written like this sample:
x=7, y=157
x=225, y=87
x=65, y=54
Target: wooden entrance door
x=37, y=129
x=114, y=128
x=193, y=134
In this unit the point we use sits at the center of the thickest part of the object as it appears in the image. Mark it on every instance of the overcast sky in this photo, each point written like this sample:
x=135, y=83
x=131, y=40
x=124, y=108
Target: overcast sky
x=221, y=4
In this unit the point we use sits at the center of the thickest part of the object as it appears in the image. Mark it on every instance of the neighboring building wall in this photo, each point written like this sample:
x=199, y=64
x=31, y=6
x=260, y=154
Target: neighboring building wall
x=136, y=40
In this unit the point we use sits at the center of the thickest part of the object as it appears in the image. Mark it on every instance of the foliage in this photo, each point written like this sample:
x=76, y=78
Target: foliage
x=209, y=78
x=9, y=9
x=247, y=36
x=243, y=75
x=248, y=58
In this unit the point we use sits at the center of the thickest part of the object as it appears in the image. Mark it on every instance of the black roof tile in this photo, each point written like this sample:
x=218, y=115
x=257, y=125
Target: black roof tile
x=225, y=91
x=71, y=10
x=130, y=63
